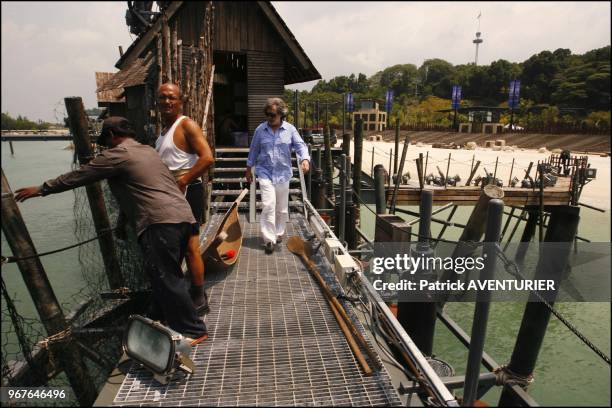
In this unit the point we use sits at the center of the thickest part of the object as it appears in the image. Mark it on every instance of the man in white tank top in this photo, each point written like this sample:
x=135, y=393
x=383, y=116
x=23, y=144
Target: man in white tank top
x=184, y=149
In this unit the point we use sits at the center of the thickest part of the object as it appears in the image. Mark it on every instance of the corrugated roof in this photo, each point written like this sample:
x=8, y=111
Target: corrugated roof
x=134, y=74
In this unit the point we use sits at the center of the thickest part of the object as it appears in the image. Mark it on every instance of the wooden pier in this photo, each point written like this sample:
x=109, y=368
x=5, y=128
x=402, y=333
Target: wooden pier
x=410, y=194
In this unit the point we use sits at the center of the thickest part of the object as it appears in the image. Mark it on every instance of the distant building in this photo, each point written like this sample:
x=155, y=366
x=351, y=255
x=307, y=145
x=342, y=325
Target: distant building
x=373, y=118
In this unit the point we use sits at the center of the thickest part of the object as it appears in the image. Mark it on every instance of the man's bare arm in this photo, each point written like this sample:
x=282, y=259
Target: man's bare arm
x=197, y=144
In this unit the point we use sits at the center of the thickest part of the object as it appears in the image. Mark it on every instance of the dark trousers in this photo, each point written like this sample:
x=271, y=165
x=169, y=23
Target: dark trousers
x=195, y=197
x=163, y=247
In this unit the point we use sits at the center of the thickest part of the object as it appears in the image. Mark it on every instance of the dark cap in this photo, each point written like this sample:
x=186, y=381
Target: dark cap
x=119, y=125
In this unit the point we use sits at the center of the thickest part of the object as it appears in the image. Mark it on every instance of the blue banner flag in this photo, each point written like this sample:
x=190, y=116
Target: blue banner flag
x=456, y=97
x=513, y=94
x=389, y=100
x=350, y=105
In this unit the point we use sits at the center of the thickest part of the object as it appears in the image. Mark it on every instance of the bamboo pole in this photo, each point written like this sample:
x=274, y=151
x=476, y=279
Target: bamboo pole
x=167, y=67
x=82, y=144
x=174, y=53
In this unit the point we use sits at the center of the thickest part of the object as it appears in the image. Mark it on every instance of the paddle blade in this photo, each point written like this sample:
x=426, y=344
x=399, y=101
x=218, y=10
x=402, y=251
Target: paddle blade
x=296, y=245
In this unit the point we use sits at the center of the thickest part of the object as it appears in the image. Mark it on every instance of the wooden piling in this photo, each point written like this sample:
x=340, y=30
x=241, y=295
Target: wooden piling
x=357, y=156
x=472, y=173
x=11, y=147
x=552, y=262
x=447, y=169
x=82, y=144
x=398, y=179
x=511, y=169
x=528, y=233
x=475, y=227
x=419, y=318
x=64, y=349
x=390, y=161
x=379, y=187
x=397, y=135
x=329, y=166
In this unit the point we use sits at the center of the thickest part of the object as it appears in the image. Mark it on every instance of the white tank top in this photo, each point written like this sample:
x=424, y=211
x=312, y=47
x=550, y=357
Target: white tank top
x=171, y=155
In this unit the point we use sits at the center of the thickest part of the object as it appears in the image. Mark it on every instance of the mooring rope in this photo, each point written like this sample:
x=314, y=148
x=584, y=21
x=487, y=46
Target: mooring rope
x=11, y=259
x=516, y=272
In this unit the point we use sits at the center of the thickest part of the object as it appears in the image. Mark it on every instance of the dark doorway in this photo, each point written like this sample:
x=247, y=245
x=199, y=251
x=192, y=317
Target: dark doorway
x=231, y=99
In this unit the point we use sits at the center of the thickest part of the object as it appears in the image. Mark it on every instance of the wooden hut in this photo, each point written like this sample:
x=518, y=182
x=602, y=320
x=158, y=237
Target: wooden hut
x=242, y=52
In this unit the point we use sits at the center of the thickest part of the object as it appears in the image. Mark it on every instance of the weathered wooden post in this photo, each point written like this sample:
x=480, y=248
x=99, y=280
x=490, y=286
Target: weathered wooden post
x=475, y=227
x=397, y=135
x=11, y=147
x=82, y=144
x=357, y=156
x=329, y=166
x=372, y=163
x=447, y=169
x=552, y=262
x=341, y=203
x=398, y=179
x=51, y=315
x=346, y=144
x=379, y=187
x=495, y=211
x=344, y=116
x=296, y=109
x=511, y=170
x=472, y=173
x=528, y=233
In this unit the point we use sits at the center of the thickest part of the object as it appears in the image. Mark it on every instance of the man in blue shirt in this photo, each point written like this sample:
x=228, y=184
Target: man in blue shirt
x=270, y=153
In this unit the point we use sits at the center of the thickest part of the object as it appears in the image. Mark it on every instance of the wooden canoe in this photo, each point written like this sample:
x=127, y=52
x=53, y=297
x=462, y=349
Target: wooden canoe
x=227, y=239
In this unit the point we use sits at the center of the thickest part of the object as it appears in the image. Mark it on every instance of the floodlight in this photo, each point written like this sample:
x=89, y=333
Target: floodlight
x=160, y=349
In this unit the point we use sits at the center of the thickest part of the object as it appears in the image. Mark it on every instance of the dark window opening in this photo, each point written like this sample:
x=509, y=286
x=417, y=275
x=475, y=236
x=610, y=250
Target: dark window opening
x=230, y=99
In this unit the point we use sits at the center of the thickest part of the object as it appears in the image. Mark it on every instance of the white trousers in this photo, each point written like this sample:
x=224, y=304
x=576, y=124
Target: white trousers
x=275, y=209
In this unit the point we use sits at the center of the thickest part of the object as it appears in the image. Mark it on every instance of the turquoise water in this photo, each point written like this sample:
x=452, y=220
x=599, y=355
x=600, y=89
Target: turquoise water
x=567, y=373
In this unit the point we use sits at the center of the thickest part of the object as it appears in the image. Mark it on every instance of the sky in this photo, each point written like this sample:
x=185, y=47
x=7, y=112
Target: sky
x=51, y=50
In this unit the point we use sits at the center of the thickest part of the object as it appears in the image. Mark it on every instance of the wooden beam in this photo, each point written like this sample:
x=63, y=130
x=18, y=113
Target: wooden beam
x=147, y=38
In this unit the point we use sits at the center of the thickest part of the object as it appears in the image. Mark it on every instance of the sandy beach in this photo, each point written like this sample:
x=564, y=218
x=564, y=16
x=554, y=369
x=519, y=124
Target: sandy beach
x=596, y=193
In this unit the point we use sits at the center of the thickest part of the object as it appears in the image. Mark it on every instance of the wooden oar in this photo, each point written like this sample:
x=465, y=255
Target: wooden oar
x=297, y=246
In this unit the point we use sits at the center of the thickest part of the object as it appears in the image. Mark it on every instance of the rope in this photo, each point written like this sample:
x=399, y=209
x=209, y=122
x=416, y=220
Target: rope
x=505, y=376
x=508, y=265
x=11, y=259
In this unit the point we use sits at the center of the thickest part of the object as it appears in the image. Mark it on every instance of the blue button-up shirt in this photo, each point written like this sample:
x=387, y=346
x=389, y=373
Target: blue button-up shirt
x=270, y=151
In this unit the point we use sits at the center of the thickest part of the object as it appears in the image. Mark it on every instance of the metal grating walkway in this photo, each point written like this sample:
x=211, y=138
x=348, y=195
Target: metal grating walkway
x=273, y=341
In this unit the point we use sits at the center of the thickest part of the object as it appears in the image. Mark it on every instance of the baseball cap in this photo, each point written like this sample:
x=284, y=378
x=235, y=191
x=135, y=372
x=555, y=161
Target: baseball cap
x=119, y=125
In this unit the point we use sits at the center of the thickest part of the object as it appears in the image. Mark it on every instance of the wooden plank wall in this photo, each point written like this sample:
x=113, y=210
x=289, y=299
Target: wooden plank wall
x=264, y=80
x=241, y=26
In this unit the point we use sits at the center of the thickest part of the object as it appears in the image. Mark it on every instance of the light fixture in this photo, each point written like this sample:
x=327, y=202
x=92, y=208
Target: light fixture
x=158, y=348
